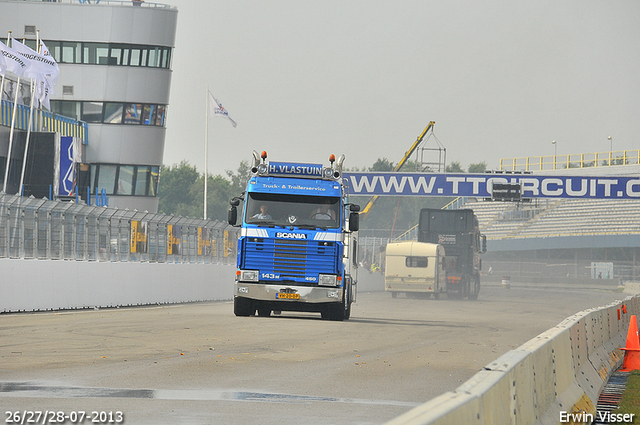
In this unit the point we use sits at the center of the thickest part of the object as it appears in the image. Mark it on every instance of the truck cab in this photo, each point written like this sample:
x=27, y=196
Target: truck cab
x=458, y=231
x=297, y=249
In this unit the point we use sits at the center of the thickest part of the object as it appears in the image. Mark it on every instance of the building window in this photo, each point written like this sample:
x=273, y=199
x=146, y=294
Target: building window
x=125, y=180
x=165, y=58
x=115, y=55
x=143, y=56
x=160, y=115
x=92, y=112
x=155, y=176
x=143, y=172
x=109, y=112
x=113, y=113
x=149, y=115
x=154, y=57
x=106, y=178
x=135, y=57
x=133, y=113
x=70, y=52
x=107, y=53
x=66, y=109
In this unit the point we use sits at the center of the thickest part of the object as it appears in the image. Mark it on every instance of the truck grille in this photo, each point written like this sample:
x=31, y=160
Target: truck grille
x=293, y=259
x=290, y=257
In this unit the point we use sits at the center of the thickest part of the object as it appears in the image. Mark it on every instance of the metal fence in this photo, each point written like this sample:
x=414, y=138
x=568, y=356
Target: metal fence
x=56, y=230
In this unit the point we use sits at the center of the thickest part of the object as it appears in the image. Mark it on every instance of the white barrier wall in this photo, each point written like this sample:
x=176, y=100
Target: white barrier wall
x=31, y=285
x=36, y=285
x=561, y=370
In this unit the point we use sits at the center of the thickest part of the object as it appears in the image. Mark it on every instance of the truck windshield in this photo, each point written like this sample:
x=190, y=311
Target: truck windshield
x=274, y=209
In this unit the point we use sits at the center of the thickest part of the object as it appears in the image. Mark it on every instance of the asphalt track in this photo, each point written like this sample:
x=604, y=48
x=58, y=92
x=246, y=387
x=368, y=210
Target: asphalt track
x=199, y=364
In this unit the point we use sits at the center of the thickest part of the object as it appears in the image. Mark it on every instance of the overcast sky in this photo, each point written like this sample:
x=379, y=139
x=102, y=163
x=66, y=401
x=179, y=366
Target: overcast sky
x=304, y=79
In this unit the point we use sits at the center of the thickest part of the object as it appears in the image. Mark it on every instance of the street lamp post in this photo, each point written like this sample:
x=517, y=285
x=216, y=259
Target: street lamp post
x=610, y=149
x=555, y=153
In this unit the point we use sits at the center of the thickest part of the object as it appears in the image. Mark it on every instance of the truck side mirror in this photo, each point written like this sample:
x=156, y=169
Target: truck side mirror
x=354, y=217
x=354, y=221
x=232, y=215
x=484, y=244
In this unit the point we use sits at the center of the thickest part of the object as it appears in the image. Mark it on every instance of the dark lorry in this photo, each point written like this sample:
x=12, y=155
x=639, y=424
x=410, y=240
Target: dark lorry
x=458, y=232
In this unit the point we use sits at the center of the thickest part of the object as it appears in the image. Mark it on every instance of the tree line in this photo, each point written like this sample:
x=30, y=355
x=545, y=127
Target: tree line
x=181, y=192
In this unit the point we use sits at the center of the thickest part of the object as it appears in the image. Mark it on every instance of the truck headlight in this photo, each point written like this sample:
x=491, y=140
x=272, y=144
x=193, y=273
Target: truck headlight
x=327, y=279
x=249, y=275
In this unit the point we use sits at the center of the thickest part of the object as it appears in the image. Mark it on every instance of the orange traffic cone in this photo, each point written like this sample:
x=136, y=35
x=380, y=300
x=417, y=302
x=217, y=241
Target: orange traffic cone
x=632, y=350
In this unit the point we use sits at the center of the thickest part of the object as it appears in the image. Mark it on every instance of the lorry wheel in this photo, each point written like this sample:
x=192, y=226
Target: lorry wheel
x=466, y=288
x=436, y=295
x=473, y=295
x=337, y=312
x=341, y=311
x=243, y=307
x=333, y=312
x=394, y=295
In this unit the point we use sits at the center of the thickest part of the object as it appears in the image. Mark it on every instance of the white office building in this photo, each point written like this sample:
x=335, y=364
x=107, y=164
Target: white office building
x=115, y=75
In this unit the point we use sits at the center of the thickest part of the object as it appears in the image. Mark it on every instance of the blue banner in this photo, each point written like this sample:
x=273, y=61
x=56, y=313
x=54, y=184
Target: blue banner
x=480, y=185
x=67, y=167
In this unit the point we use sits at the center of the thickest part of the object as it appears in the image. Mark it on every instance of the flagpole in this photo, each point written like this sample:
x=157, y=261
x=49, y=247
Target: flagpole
x=26, y=145
x=206, y=149
x=13, y=121
x=4, y=187
x=2, y=82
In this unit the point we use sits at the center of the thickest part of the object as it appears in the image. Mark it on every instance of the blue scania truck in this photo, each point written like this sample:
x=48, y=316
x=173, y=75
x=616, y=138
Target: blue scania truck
x=298, y=242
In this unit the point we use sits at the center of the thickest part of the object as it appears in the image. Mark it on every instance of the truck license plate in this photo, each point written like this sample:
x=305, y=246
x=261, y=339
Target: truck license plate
x=283, y=295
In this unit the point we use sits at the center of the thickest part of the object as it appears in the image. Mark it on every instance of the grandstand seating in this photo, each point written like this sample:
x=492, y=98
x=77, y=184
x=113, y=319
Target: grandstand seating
x=553, y=218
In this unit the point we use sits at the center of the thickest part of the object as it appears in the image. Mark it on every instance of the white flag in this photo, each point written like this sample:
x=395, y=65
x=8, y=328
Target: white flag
x=13, y=61
x=44, y=90
x=53, y=77
x=42, y=68
x=39, y=66
x=217, y=110
x=3, y=65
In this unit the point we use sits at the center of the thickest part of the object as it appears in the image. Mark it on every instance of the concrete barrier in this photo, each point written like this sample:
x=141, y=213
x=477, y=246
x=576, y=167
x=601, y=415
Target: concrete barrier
x=36, y=285
x=632, y=287
x=561, y=371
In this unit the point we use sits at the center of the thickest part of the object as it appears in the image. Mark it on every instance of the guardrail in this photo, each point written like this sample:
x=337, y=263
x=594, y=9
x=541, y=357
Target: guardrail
x=33, y=228
x=580, y=160
x=42, y=121
x=560, y=372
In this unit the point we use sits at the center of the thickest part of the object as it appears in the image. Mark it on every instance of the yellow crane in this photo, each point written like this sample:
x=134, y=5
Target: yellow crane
x=399, y=165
